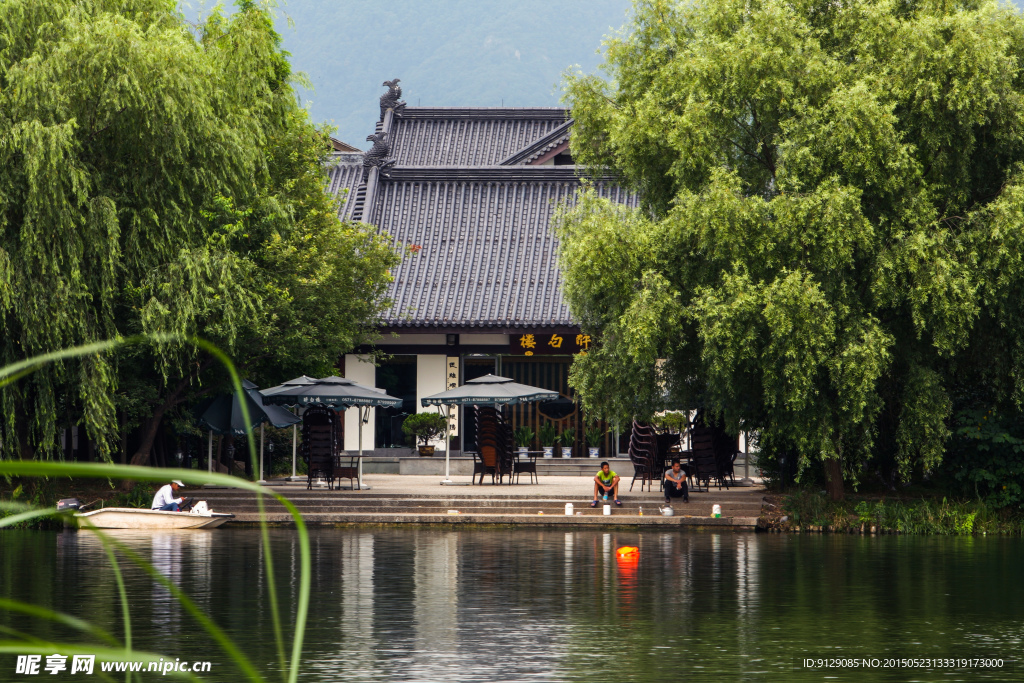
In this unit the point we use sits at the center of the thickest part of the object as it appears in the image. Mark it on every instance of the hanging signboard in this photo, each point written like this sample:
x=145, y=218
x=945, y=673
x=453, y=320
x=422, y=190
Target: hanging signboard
x=549, y=343
x=452, y=382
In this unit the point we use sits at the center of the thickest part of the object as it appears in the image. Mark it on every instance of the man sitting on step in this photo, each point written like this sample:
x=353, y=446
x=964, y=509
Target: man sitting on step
x=606, y=483
x=675, y=484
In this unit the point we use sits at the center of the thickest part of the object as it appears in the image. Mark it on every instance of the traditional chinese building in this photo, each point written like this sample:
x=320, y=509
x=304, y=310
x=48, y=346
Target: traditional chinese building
x=470, y=194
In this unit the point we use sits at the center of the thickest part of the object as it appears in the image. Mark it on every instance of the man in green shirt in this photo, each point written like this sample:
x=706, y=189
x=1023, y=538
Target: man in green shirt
x=606, y=483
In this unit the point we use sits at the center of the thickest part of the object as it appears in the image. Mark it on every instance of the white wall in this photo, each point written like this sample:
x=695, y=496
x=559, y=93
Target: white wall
x=388, y=340
x=358, y=368
x=485, y=339
x=430, y=376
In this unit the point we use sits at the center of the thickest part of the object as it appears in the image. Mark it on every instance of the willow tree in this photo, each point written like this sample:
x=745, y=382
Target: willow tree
x=828, y=243
x=159, y=177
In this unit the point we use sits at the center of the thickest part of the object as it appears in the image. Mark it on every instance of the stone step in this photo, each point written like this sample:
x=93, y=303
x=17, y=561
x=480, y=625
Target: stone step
x=725, y=523
x=681, y=508
x=347, y=498
x=365, y=503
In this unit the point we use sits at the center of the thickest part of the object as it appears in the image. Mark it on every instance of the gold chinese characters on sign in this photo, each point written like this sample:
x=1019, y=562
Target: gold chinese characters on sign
x=451, y=381
x=550, y=343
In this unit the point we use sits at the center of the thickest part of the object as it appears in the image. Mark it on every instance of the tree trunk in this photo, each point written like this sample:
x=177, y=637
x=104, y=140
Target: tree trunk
x=69, y=442
x=834, y=478
x=227, y=454
x=123, y=423
x=159, y=450
x=149, y=433
x=152, y=425
x=21, y=429
x=246, y=459
x=149, y=430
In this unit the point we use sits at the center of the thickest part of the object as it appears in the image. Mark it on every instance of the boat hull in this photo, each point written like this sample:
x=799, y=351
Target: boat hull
x=132, y=518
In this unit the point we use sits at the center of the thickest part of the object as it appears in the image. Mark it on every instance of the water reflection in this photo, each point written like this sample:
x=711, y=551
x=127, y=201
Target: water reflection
x=496, y=604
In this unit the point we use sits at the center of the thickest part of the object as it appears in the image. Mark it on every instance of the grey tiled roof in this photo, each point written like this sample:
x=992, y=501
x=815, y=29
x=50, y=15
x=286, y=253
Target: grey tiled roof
x=346, y=174
x=462, y=190
x=424, y=136
x=488, y=254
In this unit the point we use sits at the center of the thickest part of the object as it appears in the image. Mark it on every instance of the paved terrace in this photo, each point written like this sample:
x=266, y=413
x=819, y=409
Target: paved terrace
x=405, y=499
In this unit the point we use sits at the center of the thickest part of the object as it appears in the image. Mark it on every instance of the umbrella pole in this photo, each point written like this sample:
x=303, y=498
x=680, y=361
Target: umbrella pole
x=447, y=447
x=261, y=480
x=209, y=453
x=359, y=465
x=295, y=446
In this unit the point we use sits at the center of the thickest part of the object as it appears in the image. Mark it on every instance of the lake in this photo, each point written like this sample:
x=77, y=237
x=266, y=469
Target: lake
x=498, y=604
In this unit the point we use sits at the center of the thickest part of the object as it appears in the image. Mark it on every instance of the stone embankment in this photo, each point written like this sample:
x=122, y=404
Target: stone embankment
x=426, y=502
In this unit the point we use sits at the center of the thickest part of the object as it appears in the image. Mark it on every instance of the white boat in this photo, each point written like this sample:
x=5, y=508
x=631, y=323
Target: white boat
x=200, y=517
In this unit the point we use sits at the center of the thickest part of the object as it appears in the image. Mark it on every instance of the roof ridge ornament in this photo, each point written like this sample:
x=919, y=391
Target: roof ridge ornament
x=392, y=98
x=377, y=156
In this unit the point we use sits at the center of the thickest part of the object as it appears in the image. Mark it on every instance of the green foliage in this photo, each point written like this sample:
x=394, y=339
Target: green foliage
x=138, y=496
x=159, y=177
x=523, y=436
x=595, y=436
x=424, y=427
x=111, y=648
x=986, y=458
x=925, y=516
x=548, y=435
x=828, y=245
x=676, y=421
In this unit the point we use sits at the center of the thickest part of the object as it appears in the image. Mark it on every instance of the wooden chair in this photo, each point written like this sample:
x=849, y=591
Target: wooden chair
x=529, y=466
x=346, y=466
x=485, y=461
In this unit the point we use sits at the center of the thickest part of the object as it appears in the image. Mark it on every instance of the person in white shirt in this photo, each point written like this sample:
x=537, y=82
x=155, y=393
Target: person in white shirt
x=165, y=498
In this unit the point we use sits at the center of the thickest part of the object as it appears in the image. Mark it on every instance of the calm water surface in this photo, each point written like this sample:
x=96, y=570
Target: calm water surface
x=538, y=605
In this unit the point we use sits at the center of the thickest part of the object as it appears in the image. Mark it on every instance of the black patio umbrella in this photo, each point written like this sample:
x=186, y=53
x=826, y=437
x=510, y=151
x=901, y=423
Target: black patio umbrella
x=489, y=390
x=335, y=392
x=223, y=415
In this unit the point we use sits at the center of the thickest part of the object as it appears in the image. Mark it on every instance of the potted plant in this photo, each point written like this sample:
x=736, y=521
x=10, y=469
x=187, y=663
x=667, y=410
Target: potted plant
x=567, y=438
x=594, y=438
x=523, y=437
x=548, y=436
x=424, y=428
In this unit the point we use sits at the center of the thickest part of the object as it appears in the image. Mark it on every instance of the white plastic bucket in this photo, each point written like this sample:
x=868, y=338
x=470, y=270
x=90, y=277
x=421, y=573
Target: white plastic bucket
x=568, y=510
x=607, y=509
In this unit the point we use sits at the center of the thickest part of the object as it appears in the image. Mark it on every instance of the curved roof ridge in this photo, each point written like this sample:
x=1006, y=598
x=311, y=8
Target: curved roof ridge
x=539, y=147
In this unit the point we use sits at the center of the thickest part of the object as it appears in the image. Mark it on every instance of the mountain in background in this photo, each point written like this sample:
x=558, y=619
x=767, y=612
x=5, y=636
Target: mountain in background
x=479, y=53
x=475, y=53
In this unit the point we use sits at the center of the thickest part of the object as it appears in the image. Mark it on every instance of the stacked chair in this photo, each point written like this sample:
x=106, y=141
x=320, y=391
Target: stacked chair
x=321, y=436
x=643, y=453
x=707, y=447
x=495, y=448
x=726, y=449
